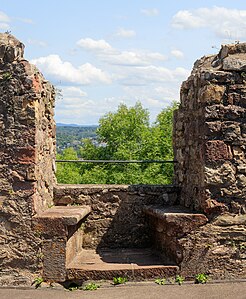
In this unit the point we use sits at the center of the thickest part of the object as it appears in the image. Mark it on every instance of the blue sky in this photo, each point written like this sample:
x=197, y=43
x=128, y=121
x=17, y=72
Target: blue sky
x=101, y=53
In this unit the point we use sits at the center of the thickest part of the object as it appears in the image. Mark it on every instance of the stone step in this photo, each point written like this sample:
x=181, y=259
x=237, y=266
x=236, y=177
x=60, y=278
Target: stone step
x=106, y=264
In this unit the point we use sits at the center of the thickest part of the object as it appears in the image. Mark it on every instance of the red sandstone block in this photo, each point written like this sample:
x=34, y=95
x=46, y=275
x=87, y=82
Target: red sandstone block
x=49, y=228
x=216, y=150
x=36, y=83
x=67, y=215
x=54, y=221
x=54, y=260
x=25, y=155
x=175, y=220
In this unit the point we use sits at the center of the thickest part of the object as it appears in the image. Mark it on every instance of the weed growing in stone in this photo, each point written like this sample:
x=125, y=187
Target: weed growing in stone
x=208, y=246
x=40, y=255
x=6, y=76
x=38, y=233
x=161, y=281
x=201, y=278
x=179, y=279
x=91, y=287
x=242, y=247
x=119, y=280
x=37, y=282
x=243, y=75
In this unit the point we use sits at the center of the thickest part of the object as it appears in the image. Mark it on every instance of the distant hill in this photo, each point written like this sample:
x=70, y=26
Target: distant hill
x=71, y=135
x=74, y=125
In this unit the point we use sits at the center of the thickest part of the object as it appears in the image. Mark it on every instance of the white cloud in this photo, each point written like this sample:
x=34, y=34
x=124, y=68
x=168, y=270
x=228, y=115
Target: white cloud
x=137, y=75
x=4, y=20
x=27, y=21
x=95, y=45
x=105, y=52
x=56, y=69
x=125, y=33
x=150, y=12
x=177, y=53
x=155, y=98
x=38, y=43
x=4, y=26
x=151, y=74
x=185, y=19
x=228, y=23
x=169, y=92
x=73, y=91
x=154, y=87
x=132, y=58
x=85, y=110
x=154, y=102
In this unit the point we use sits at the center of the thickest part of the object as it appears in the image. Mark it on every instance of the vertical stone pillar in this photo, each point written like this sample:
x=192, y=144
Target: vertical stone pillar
x=210, y=134
x=27, y=156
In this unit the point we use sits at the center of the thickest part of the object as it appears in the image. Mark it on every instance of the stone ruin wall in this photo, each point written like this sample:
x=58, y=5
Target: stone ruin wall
x=118, y=220
x=210, y=147
x=27, y=155
x=209, y=134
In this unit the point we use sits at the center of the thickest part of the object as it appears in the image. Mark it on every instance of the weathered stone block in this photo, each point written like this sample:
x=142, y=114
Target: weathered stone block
x=238, y=153
x=25, y=155
x=228, y=220
x=234, y=63
x=241, y=180
x=220, y=175
x=216, y=150
x=231, y=131
x=211, y=94
x=241, y=168
x=220, y=112
x=10, y=48
x=213, y=128
x=55, y=220
x=54, y=261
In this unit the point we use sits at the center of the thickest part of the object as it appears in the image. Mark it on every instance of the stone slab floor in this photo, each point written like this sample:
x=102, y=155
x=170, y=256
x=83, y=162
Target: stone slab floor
x=108, y=263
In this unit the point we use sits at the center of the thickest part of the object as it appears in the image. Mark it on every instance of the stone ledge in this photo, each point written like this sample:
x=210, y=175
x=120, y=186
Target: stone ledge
x=177, y=216
x=230, y=220
x=69, y=215
x=94, y=188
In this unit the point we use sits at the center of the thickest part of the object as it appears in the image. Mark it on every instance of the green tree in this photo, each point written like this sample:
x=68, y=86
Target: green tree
x=162, y=130
x=125, y=135
x=68, y=173
x=159, y=146
x=125, y=132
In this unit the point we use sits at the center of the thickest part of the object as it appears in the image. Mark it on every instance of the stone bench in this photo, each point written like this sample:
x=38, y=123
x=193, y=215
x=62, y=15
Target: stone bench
x=168, y=224
x=60, y=229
